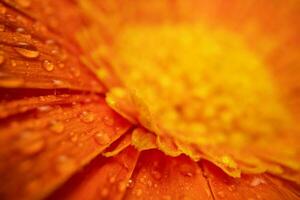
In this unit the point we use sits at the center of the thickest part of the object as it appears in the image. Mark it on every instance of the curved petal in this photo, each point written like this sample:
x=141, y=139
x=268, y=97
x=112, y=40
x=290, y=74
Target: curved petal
x=103, y=178
x=32, y=56
x=158, y=176
x=42, y=148
x=247, y=187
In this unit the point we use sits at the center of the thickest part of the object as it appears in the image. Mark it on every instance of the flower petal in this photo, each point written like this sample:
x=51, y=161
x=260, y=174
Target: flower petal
x=103, y=178
x=42, y=148
x=247, y=187
x=32, y=56
x=158, y=176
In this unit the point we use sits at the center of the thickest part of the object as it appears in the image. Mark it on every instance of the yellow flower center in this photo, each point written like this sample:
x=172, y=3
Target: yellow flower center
x=199, y=86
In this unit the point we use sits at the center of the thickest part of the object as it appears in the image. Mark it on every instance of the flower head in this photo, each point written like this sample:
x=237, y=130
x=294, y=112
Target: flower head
x=149, y=99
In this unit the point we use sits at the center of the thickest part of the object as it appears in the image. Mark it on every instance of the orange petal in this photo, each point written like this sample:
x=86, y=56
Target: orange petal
x=247, y=187
x=103, y=178
x=41, y=149
x=143, y=140
x=34, y=57
x=122, y=143
x=158, y=176
x=21, y=101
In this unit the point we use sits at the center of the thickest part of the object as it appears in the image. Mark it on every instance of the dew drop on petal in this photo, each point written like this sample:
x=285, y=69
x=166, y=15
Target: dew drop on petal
x=2, y=27
x=139, y=192
x=74, y=138
x=101, y=138
x=45, y=108
x=122, y=186
x=26, y=50
x=87, y=117
x=221, y=194
x=57, y=82
x=166, y=197
x=11, y=82
x=75, y=71
x=156, y=174
x=109, y=121
x=130, y=183
x=112, y=179
x=2, y=10
x=57, y=127
x=104, y=192
x=143, y=179
x=13, y=63
x=61, y=65
x=20, y=30
x=65, y=164
x=30, y=143
x=186, y=170
x=149, y=183
x=257, y=181
x=2, y=58
x=48, y=66
x=231, y=188
x=24, y=3
x=50, y=42
x=32, y=186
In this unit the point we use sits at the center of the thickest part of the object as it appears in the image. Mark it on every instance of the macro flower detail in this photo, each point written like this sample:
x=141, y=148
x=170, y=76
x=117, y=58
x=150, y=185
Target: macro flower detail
x=166, y=99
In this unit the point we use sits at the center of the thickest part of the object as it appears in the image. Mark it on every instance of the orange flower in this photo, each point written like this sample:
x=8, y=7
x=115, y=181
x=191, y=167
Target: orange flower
x=167, y=99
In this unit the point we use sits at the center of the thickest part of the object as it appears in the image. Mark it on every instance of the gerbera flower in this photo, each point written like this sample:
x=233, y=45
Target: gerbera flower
x=149, y=99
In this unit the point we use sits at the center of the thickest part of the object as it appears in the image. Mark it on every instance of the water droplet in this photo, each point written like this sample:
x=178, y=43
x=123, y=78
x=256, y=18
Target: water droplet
x=104, y=192
x=166, y=197
x=48, y=66
x=50, y=42
x=27, y=50
x=112, y=179
x=13, y=63
x=65, y=164
x=122, y=186
x=257, y=181
x=11, y=82
x=75, y=71
x=130, y=183
x=143, y=179
x=2, y=27
x=2, y=58
x=109, y=121
x=74, y=138
x=149, y=183
x=231, y=188
x=2, y=10
x=156, y=174
x=57, y=82
x=87, y=117
x=61, y=65
x=57, y=127
x=101, y=138
x=24, y=3
x=32, y=187
x=221, y=194
x=44, y=108
x=138, y=192
x=30, y=143
x=20, y=30
x=186, y=170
